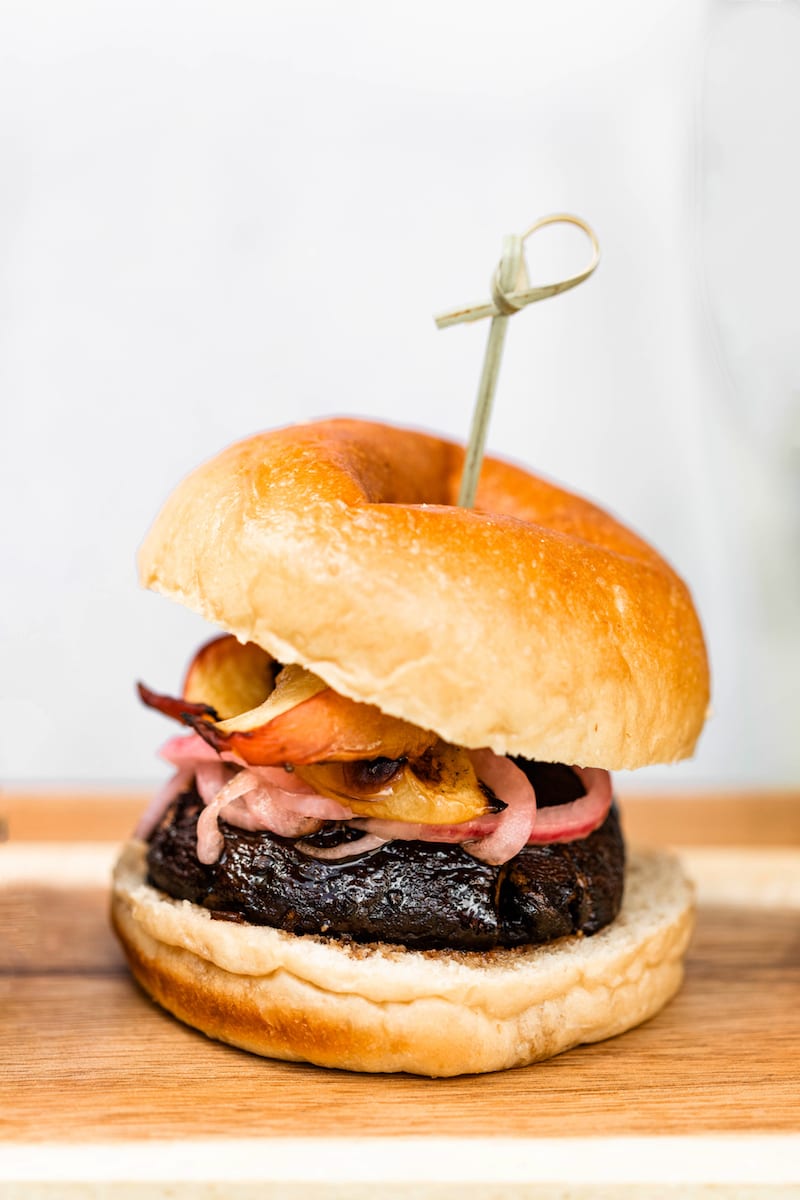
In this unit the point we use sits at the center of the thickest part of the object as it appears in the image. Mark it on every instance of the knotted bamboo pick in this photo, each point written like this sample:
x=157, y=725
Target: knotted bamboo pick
x=511, y=291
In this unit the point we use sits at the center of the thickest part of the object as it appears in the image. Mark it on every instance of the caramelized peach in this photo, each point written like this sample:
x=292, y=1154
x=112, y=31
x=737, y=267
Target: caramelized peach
x=229, y=676
x=326, y=727
x=439, y=788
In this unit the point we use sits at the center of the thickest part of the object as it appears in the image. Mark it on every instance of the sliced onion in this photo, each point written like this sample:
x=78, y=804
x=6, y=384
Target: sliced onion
x=287, y=781
x=516, y=822
x=194, y=760
x=210, y=778
x=270, y=798
x=309, y=804
x=297, y=796
x=251, y=800
x=185, y=750
x=577, y=819
x=169, y=791
x=407, y=831
x=364, y=845
x=209, y=838
x=258, y=812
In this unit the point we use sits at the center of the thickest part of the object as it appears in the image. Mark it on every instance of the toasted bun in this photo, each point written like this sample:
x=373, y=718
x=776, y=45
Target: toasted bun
x=383, y=1008
x=534, y=624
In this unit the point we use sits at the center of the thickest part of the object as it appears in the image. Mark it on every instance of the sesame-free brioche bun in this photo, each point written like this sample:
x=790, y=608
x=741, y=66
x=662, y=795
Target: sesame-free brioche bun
x=534, y=624
x=385, y=1008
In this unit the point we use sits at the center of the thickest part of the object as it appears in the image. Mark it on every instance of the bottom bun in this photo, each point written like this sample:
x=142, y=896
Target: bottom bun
x=384, y=1008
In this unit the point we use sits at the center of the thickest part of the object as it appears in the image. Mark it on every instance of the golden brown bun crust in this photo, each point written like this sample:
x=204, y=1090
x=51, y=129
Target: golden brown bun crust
x=535, y=624
x=382, y=1008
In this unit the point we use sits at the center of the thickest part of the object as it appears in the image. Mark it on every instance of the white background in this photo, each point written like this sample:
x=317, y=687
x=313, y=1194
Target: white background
x=219, y=217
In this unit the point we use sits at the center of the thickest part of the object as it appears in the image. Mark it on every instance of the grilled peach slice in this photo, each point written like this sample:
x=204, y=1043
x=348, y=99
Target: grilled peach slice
x=229, y=676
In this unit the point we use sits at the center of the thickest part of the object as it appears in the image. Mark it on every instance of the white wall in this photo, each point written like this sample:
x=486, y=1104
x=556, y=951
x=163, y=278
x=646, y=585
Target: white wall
x=218, y=217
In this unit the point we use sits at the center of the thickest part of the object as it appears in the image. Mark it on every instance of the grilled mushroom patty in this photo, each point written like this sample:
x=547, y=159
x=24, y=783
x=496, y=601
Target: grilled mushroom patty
x=419, y=894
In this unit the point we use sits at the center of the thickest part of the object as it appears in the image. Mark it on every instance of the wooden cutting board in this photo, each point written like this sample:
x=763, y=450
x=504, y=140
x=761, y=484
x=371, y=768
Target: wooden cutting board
x=98, y=1087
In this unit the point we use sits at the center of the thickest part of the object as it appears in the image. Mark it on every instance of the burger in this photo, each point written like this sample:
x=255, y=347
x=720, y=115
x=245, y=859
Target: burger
x=390, y=841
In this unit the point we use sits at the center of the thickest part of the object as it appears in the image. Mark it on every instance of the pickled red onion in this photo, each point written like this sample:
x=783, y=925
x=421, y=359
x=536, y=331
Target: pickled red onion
x=262, y=804
x=297, y=796
x=184, y=750
x=257, y=812
x=209, y=837
x=517, y=820
x=210, y=778
x=169, y=791
x=579, y=818
x=408, y=831
x=271, y=798
x=192, y=756
x=285, y=781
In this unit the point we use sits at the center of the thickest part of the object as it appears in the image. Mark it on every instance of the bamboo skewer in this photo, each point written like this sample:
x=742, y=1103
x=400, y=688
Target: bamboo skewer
x=511, y=292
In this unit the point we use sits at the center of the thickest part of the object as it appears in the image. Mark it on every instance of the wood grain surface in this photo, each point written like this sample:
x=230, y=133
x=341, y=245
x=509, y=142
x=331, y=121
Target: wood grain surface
x=84, y=1056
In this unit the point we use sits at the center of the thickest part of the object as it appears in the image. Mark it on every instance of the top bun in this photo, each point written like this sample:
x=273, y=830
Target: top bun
x=534, y=624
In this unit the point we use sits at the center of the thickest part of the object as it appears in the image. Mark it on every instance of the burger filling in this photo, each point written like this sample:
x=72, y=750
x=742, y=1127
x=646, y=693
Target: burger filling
x=295, y=807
